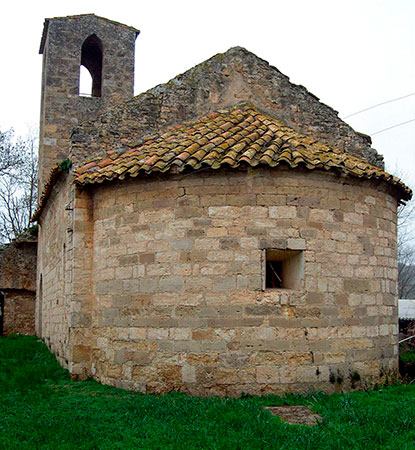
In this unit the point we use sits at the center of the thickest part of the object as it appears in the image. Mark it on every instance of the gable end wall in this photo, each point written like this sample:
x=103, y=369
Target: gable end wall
x=222, y=81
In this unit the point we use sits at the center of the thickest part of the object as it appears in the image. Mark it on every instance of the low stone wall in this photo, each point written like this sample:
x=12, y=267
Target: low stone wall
x=19, y=312
x=18, y=284
x=177, y=276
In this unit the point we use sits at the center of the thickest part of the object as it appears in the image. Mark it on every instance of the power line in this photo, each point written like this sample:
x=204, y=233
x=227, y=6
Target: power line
x=393, y=126
x=379, y=104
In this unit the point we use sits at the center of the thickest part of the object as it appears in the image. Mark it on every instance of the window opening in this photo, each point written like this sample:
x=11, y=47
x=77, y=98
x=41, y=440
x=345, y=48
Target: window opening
x=274, y=274
x=284, y=269
x=85, y=82
x=91, y=60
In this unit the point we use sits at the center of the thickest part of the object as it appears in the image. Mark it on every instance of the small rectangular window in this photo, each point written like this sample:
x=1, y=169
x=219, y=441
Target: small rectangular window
x=284, y=269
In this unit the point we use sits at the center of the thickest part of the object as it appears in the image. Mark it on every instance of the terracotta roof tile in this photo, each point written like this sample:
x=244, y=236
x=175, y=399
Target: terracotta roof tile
x=231, y=137
x=54, y=174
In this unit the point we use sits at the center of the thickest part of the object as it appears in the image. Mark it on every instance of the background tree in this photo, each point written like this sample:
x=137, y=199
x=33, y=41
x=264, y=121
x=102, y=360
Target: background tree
x=406, y=250
x=406, y=244
x=18, y=183
x=10, y=157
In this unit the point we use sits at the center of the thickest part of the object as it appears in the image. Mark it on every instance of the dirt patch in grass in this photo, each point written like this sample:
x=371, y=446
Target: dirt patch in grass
x=295, y=415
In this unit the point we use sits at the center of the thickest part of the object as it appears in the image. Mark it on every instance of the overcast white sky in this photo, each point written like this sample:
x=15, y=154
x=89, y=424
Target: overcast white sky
x=351, y=54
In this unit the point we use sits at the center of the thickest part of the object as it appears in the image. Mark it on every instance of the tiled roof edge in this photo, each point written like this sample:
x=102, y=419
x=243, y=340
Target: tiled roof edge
x=370, y=172
x=54, y=175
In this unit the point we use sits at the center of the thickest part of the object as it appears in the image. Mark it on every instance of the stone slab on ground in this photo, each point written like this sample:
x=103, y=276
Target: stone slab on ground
x=295, y=414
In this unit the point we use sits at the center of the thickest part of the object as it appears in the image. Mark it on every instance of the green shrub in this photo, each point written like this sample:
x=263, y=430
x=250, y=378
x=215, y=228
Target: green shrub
x=407, y=362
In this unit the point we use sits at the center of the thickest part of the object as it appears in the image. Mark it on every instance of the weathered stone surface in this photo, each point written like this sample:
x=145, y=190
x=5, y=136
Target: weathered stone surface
x=222, y=81
x=252, y=339
x=18, y=284
x=155, y=283
x=195, y=305
x=18, y=264
x=62, y=107
x=57, y=275
x=19, y=312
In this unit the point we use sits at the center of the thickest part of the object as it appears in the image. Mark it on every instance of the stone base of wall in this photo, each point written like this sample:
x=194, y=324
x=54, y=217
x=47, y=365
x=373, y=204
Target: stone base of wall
x=148, y=362
x=228, y=390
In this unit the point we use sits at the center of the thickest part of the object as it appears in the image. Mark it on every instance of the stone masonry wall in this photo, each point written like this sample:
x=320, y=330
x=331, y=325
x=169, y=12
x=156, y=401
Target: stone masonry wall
x=19, y=312
x=83, y=273
x=18, y=283
x=18, y=264
x=62, y=107
x=177, y=300
x=54, y=275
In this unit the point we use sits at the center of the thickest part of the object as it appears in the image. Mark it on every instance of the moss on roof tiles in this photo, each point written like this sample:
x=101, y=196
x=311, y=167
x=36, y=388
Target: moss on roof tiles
x=231, y=137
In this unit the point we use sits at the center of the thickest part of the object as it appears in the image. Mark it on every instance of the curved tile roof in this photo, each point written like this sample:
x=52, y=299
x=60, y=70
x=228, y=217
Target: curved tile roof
x=232, y=137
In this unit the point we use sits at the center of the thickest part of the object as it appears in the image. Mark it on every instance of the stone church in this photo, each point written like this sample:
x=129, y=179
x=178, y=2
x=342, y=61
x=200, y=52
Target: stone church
x=222, y=233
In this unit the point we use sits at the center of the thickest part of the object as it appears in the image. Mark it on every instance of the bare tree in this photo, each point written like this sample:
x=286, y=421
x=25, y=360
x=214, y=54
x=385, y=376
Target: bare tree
x=406, y=243
x=406, y=250
x=18, y=184
x=10, y=157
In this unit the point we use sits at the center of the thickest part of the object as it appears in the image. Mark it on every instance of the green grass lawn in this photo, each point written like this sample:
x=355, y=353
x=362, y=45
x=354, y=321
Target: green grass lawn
x=40, y=408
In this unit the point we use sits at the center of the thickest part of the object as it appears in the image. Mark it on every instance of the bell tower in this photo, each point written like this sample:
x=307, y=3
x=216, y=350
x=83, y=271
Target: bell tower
x=106, y=50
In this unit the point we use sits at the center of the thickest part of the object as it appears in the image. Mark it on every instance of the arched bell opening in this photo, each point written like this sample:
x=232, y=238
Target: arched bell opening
x=91, y=59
